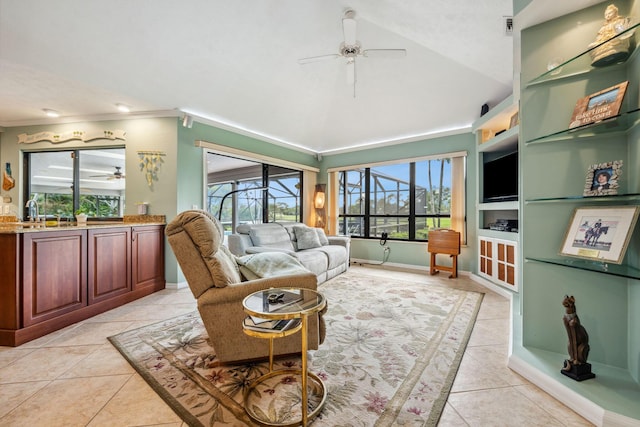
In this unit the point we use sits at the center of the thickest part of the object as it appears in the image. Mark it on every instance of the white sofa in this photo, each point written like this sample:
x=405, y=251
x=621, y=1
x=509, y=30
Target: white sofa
x=325, y=256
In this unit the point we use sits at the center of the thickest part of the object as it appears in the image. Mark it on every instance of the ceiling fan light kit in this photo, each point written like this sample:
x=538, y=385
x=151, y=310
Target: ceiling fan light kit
x=351, y=48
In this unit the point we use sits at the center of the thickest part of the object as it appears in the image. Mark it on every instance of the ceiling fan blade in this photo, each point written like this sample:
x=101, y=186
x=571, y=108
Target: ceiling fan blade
x=311, y=59
x=349, y=30
x=384, y=53
x=351, y=71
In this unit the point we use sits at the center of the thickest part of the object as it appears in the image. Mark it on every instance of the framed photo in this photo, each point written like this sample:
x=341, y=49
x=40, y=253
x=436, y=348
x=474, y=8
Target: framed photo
x=600, y=233
x=598, y=106
x=602, y=179
x=514, y=120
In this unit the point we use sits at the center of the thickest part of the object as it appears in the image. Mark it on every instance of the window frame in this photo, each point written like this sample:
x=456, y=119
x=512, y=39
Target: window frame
x=366, y=218
x=76, y=196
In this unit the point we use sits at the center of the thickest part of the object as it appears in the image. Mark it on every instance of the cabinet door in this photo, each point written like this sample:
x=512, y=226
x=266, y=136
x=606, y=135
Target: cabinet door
x=109, y=263
x=506, y=263
x=486, y=257
x=147, y=256
x=54, y=274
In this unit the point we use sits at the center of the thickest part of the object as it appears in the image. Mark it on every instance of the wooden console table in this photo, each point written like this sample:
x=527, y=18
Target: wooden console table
x=444, y=241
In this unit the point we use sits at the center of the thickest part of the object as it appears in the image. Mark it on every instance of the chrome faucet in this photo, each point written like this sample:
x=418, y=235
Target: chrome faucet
x=34, y=214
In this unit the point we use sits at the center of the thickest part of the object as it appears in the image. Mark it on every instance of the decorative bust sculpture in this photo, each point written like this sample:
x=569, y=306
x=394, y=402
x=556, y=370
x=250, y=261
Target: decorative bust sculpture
x=617, y=50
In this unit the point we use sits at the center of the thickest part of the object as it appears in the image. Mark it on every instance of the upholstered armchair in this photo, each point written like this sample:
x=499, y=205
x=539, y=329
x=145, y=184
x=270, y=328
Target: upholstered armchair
x=214, y=278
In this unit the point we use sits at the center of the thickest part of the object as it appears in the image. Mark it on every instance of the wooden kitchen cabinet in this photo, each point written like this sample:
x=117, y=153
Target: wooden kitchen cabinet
x=147, y=257
x=54, y=277
x=109, y=263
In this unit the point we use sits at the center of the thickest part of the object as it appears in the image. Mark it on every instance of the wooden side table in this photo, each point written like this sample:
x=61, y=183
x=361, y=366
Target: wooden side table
x=444, y=241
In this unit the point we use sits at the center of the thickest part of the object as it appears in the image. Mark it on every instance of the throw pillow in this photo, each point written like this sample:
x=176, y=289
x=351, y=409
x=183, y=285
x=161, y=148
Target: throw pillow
x=307, y=237
x=322, y=237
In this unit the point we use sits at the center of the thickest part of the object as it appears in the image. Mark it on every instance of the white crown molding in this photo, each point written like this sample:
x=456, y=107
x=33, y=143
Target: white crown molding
x=93, y=118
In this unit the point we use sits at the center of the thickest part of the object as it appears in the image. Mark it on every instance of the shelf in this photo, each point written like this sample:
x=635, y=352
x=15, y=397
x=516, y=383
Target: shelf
x=506, y=140
x=580, y=64
x=596, y=266
x=612, y=126
x=495, y=234
x=499, y=206
x=498, y=117
x=614, y=389
x=576, y=199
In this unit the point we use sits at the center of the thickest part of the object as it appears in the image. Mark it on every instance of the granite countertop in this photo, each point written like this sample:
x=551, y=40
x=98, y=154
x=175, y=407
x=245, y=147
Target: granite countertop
x=16, y=227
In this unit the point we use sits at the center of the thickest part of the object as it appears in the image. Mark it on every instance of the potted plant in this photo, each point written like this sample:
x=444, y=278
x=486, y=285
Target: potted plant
x=81, y=217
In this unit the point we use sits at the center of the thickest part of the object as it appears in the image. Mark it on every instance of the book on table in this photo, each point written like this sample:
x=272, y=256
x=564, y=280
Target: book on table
x=266, y=325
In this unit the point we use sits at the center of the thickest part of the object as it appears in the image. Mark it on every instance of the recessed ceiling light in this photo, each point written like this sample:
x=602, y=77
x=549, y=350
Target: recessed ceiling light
x=51, y=113
x=123, y=108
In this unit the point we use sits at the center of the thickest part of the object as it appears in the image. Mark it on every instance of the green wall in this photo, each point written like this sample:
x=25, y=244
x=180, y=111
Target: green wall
x=412, y=253
x=180, y=182
x=607, y=304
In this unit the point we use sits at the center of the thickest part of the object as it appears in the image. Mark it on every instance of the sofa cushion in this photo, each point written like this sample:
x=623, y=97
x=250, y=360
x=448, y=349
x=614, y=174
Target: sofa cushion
x=306, y=237
x=313, y=260
x=271, y=235
x=324, y=241
x=336, y=255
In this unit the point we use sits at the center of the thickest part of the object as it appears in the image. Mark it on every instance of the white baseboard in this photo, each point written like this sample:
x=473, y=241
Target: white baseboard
x=392, y=265
x=175, y=286
x=560, y=392
x=492, y=286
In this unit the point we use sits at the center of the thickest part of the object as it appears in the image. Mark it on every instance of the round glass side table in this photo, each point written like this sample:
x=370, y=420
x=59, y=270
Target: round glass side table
x=283, y=311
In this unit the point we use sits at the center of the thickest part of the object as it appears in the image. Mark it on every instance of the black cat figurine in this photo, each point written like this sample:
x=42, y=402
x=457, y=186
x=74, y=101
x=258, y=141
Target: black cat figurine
x=576, y=366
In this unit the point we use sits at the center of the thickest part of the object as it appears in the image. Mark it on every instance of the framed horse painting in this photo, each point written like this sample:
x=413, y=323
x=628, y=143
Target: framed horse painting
x=600, y=233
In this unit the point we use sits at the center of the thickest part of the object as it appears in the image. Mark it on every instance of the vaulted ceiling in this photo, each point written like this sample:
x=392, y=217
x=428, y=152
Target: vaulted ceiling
x=235, y=64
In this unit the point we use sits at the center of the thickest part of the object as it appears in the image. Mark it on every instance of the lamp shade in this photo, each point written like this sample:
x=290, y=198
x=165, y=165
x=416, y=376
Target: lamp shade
x=319, y=196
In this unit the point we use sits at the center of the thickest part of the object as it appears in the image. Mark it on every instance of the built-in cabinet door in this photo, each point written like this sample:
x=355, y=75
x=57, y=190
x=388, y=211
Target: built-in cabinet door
x=147, y=256
x=486, y=257
x=109, y=263
x=54, y=274
x=498, y=261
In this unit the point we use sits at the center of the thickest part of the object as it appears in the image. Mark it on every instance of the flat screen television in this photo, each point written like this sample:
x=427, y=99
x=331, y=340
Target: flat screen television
x=500, y=179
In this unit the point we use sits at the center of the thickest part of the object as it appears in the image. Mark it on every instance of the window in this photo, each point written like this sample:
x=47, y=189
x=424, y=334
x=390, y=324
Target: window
x=251, y=192
x=62, y=182
x=403, y=200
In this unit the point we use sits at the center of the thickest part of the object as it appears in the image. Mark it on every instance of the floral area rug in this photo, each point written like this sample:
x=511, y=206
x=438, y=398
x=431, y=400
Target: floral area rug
x=390, y=356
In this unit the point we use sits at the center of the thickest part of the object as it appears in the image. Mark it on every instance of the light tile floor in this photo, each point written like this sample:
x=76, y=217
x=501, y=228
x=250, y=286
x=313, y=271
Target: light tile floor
x=75, y=377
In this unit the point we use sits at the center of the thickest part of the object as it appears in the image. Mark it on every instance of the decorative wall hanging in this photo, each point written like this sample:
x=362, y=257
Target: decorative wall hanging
x=150, y=162
x=598, y=106
x=57, y=137
x=7, y=180
x=602, y=179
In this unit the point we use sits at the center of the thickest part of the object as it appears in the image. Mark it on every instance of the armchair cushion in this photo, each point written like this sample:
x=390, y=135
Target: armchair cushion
x=206, y=235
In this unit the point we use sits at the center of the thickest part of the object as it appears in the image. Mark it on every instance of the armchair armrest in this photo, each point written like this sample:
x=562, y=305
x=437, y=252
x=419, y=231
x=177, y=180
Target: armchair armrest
x=235, y=293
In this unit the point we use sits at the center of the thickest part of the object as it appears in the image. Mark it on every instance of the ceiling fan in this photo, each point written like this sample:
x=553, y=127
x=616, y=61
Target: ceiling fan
x=351, y=48
x=115, y=175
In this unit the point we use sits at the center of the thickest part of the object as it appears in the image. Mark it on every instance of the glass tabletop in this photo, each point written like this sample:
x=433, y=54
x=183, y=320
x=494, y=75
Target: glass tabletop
x=283, y=303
